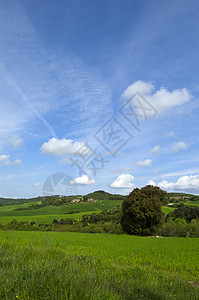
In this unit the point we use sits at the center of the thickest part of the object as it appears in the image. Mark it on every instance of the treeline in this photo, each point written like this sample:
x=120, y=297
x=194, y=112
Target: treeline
x=107, y=221
x=182, y=222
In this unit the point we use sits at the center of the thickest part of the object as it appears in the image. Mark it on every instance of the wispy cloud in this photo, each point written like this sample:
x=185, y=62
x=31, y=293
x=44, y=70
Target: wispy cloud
x=11, y=81
x=155, y=149
x=5, y=160
x=171, y=134
x=176, y=147
x=144, y=163
x=60, y=91
x=15, y=141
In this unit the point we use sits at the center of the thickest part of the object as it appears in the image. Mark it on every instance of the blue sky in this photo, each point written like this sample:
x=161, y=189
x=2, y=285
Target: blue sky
x=108, y=87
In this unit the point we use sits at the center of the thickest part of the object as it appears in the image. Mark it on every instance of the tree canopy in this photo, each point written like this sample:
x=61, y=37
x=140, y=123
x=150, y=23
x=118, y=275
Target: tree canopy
x=142, y=210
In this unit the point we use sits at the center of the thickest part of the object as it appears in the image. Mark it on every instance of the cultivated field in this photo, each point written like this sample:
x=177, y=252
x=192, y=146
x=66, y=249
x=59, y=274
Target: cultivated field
x=51, y=265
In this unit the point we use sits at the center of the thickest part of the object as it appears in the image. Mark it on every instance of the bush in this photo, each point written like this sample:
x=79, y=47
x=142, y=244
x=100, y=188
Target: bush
x=180, y=228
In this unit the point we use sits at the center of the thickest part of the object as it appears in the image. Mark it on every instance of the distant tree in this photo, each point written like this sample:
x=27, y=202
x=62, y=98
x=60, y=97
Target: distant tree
x=186, y=212
x=142, y=210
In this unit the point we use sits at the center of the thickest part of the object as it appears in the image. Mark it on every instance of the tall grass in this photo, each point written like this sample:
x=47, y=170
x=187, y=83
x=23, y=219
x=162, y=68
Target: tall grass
x=40, y=265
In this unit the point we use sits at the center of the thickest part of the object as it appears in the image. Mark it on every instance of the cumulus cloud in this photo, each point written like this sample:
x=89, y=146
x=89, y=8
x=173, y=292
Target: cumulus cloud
x=123, y=181
x=144, y=163
x=162, y=100
x=15, y=141
x=183, y=183
x=5, y=160
x=37, y=184
x=151, y=182
x=63, y=147
x=155, y=149
x=176, y=147
x=84, y=180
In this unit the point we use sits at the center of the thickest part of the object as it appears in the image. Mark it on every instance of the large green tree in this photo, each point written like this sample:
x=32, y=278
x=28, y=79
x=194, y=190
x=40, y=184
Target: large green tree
x=142, y=210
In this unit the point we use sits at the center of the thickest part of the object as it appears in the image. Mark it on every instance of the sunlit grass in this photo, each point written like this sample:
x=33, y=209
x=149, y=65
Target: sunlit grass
x=40, y=265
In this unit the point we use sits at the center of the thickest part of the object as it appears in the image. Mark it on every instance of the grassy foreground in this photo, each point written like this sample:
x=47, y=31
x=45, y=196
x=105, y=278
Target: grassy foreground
x=51, y=265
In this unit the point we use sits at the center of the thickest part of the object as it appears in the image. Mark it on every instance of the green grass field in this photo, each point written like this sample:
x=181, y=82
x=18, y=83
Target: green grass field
x=46, y=214
x=51, y=265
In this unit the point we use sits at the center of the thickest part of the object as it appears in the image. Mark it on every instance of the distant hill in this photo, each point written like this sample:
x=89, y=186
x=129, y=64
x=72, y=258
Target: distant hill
x=50, y=200
x=11, y=201
x=102, y=195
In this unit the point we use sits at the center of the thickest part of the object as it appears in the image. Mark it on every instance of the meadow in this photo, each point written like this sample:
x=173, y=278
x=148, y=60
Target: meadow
x=53, y=265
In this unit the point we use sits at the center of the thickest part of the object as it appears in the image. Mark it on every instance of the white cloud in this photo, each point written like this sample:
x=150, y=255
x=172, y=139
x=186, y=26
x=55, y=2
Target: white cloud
x=123, y=181
x=162, y=100
x=145, y=163
x=62, y=147
x=176, y=147
x=84, y=180
x=5, y=160
x=140, y=86
x=15, y=141
x=183, y=183
x=155, y=149
x=37, y=184
x=17, y=162
x=151, y=182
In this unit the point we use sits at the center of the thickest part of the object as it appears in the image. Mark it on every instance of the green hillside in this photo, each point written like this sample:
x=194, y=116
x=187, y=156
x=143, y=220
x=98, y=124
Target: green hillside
x=48, y=213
